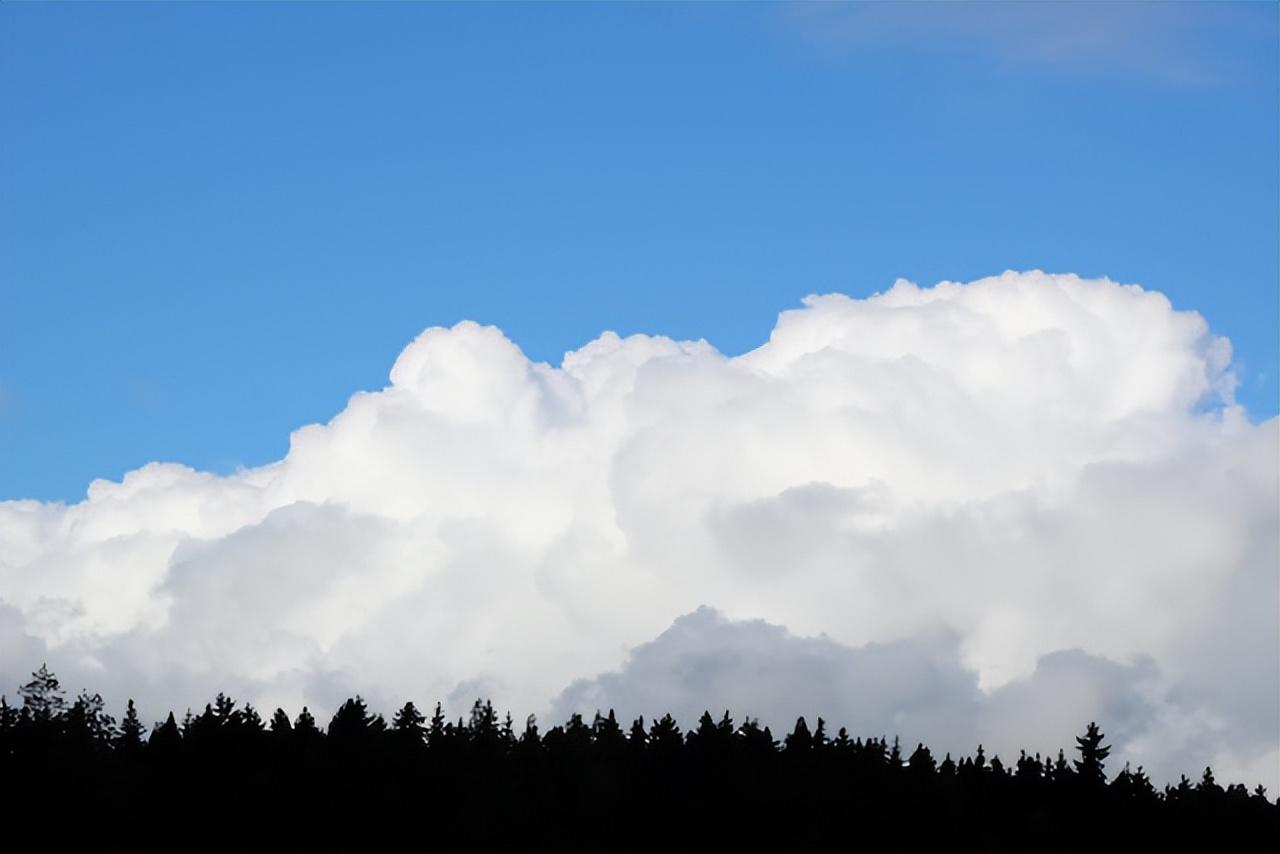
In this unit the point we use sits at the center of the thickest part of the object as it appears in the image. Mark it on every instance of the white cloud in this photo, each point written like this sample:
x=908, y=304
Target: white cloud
x=1027, y=466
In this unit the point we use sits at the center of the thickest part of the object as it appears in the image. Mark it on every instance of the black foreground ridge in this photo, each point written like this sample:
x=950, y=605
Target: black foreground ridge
x=226, y=780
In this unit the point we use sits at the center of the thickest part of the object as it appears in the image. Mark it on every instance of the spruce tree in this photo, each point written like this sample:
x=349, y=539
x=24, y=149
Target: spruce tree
x=165, y=738
x=131, y=729
x=408, y=723
x=280, y=725
x=435, y=730
x=1089, y=767
x=801, y=739
x=42, y=699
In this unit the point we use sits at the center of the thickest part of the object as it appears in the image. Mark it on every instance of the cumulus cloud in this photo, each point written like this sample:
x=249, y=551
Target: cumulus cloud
x=958, y=509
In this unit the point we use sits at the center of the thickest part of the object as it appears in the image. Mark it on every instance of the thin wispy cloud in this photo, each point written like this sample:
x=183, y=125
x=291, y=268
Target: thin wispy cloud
x=1183, y=43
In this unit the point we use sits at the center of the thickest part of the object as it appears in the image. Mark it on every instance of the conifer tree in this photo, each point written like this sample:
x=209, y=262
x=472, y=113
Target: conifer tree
x=529, y=738
x=165, y=737
x=42, y=699
x=1089, y=767
x=353, y=724
x=637, y=738
x=8, y=714
x=223, y=709
x=435, y=730
x=664, y=738
x=280, y=725
x=305, y=724
x=247, y=723
x=801, y=739
x=88, y=721
x=1208, y=785
x=607, y=734
x=921, y=761
x=1062, y=772
x=131, y=729
x=408, y=722
x=577, y=736
x=756, y=741
x=483, y=727
x=9, y=717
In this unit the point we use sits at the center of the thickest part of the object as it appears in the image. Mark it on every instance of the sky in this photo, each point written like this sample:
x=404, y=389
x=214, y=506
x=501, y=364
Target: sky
x=912, y=365
x=218, y=221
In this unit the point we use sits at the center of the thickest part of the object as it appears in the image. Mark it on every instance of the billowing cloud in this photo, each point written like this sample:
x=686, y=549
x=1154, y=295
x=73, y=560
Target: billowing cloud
x=968, y=511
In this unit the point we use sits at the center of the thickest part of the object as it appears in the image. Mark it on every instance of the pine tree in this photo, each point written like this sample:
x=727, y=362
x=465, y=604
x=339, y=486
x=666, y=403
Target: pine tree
x=408, y=722
x=42, y=699
x=921, y=761
x=8, y=714
x=165, y=738
x=577, y=736
x=435, y=729
x=88, y=721
x=247, y=723
x=223, y=708
x=1142, y=785
x=131, y=730
x=483, y=732
x=1089, y=767
x=800, y=740
x=1061, y=769
x=305, y=722
x=607, y=735
x=530, y=736
x=706, y=731
x=664, y=738
x=756, y=741
x=528, y=748
x=1208, y=785
x=637, y=738
x=352, y=724
x=9, y=717
x=280, y=725
x=483, y=726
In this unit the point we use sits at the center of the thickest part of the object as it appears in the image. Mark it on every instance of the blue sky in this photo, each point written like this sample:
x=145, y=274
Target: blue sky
x=219, y=221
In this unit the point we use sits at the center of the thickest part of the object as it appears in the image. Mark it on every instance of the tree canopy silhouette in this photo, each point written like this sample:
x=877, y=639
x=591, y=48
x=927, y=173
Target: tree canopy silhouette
x=224, y=777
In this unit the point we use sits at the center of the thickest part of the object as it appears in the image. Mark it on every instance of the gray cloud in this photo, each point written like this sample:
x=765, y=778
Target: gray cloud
x=917, y=688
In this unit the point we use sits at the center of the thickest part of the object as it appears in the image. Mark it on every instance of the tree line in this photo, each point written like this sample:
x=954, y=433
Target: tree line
x=70, y=773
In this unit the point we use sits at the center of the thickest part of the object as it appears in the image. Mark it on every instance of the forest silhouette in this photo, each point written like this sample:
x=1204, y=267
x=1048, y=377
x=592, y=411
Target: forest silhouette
x=225, y=778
